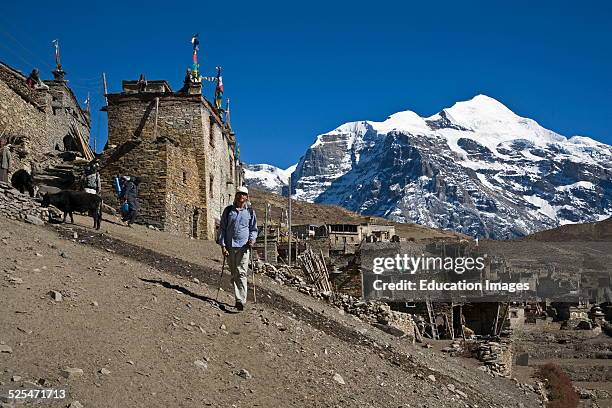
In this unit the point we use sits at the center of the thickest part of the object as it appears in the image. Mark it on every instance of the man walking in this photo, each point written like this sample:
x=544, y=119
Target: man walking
x=5, y=160
x=131, y=196
x=237, y=235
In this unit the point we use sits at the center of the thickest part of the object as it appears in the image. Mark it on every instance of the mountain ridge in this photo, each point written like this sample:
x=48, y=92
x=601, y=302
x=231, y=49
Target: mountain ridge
x=476, y=168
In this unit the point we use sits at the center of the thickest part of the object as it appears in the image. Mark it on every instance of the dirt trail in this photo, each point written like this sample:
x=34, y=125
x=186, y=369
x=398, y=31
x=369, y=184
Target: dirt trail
x=137, y=312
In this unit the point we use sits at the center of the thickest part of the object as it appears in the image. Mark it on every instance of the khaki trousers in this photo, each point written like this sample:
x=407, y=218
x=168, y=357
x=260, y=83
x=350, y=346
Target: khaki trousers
x=238, y=262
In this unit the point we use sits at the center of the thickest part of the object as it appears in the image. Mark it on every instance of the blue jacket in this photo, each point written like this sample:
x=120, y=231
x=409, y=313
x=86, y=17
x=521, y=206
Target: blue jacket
x=237, y=227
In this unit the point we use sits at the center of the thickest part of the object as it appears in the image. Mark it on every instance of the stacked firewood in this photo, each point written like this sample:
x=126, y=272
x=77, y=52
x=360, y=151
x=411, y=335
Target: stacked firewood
x=315, y=268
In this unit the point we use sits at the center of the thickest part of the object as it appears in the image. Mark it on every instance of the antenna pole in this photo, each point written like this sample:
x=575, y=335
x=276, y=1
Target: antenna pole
x=105, y=88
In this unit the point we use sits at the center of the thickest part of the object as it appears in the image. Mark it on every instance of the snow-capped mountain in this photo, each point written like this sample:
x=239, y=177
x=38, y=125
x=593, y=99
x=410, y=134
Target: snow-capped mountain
x=477, y=168
x=267, y=177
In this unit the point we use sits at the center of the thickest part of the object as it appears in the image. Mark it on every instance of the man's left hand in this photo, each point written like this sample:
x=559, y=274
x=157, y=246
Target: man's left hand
x=251, y=243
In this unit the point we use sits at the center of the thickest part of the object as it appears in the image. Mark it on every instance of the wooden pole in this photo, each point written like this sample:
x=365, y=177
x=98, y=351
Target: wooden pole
x=289, y=221
x=266, y=232
x=105, y=87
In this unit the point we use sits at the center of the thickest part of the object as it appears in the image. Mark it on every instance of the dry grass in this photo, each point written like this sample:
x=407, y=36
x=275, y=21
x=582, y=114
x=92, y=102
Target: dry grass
x=560, y=387
x=309, y=213
x=593, y=231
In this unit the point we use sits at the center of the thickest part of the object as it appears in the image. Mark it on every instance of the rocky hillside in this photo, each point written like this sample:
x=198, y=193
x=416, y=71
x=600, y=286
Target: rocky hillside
x=592, y=231
x=131, y=314
x=476, y=168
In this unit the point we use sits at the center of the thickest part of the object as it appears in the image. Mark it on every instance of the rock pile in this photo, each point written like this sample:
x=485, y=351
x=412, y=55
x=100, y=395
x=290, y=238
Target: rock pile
x=17, y=206
x=454, y=349
x=378, y=314
x=495, y=356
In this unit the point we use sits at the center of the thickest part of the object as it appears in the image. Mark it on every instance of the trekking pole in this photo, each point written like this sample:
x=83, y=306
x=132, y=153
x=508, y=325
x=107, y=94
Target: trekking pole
x=220, y=278
x=253, y=269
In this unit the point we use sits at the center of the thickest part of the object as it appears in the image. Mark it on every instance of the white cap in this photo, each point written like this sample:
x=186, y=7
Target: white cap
x=242, y=189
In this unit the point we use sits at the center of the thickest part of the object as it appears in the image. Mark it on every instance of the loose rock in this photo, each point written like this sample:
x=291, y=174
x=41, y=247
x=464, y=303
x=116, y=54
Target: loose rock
x=55, y=295
x=245, y=374
x=338, y=378
x=200, y=364
x=72, y=372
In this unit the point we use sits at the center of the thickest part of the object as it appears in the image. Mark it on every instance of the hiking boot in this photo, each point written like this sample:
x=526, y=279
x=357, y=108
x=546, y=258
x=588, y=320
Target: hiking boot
x=239, y=306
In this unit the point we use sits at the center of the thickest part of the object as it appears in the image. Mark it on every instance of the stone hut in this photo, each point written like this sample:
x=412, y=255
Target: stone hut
x=179, y=146
x=40, y=121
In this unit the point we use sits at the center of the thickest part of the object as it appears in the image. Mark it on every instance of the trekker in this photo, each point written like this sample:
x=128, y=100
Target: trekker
x=5, y=161
x=131, y=197
x=237, y=235
x=91, y=179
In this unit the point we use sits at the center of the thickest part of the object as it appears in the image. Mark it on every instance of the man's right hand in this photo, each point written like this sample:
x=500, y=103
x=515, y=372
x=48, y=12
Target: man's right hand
x=224, y=251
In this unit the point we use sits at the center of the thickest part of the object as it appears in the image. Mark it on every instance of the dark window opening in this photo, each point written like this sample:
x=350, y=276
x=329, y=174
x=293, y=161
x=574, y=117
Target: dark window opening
x=211, y=121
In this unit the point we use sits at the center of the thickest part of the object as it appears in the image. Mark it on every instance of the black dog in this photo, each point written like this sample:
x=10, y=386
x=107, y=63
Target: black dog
x=69, y=201
x=22, y=181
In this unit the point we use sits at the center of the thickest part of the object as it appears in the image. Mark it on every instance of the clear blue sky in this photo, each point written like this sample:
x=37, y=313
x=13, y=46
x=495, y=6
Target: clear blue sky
x=294, y=70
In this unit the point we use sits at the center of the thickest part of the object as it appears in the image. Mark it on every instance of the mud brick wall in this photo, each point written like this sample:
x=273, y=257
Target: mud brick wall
x=41, y=118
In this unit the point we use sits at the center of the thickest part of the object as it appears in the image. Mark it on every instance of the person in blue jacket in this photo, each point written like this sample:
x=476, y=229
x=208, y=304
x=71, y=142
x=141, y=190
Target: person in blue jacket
x=237, y=235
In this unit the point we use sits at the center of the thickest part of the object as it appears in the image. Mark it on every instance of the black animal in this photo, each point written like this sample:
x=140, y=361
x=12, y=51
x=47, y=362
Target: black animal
x=22, y=181
x=70, y=201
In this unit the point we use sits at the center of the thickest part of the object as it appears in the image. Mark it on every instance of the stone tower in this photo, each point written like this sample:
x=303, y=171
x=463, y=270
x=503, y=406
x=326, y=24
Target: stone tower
x=177, y=143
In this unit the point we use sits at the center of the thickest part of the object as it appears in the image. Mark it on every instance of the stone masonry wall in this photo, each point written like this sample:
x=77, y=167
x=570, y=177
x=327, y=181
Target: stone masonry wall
x=17, y=206
x=146, y=161
x=220, y=170
x=39, y=118
x=63, y=111
x=199, y=161
x=183, y=204
x=22, y=115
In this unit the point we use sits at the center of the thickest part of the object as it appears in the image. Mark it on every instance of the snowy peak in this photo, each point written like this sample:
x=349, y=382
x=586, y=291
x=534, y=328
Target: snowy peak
x=267, y=177
x=475, y=167
x=482, y=106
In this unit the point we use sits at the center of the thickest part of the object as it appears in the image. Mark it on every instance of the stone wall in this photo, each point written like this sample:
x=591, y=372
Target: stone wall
x=220, y=170
x=23, y=116
x=17, y=206
x=37, y=120
x=145, y=160
x=184, y=212
x=197, y=179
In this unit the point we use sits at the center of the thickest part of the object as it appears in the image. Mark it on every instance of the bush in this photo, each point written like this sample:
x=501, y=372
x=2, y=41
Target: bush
x=560, y=388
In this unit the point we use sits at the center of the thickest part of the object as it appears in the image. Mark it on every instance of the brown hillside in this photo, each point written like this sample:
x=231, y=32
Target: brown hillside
x=309, y=213
x=594, y=231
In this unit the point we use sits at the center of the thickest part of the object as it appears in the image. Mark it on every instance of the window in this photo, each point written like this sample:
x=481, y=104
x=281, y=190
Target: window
x=210, y=187
x=211, y=121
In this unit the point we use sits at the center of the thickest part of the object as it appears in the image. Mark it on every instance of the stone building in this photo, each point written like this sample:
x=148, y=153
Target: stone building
x=180, y=147
x=40, y=121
